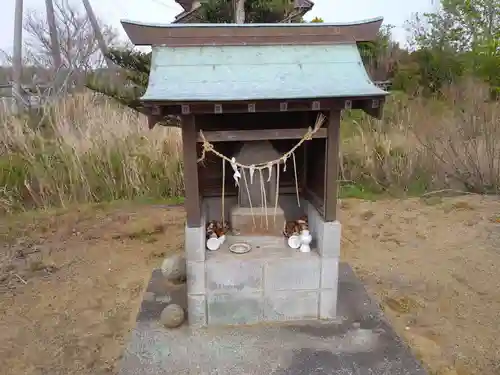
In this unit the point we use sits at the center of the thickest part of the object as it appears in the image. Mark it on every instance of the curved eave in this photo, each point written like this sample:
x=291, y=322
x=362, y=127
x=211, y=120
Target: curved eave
x=149, y=34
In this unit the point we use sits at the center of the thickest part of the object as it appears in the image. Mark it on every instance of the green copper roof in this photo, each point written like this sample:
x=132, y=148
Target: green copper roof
x=227, y=73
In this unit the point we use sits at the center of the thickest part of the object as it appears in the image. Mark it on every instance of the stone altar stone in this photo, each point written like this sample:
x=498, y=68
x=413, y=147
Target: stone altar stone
x=255, y=152
x=250, y=194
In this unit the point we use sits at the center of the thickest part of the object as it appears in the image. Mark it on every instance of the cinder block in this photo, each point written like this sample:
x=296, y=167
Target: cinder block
x=329, y=239
x=326, y=235
x=301, y=273
x=329, y=273
x=197, y=310
x=328, y=304
x=195, y=272
x=234, y=275
x=235, y=308
x=291, y=305
x=194, y=243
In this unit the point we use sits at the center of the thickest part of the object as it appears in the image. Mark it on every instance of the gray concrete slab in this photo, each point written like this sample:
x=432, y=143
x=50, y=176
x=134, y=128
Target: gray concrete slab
x=361, y=342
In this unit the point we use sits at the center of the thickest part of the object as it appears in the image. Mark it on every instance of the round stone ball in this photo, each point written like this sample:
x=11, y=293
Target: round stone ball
x=172, y=316
x=173, y=268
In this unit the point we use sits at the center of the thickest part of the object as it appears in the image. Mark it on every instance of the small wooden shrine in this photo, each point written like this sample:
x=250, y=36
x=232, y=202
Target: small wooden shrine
x=260, y=106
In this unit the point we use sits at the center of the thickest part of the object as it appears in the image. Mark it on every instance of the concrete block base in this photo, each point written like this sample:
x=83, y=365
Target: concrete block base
x=270, y=283
x=326, y=234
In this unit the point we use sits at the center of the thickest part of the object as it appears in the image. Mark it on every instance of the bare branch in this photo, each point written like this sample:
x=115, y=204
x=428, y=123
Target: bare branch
x=79, y=49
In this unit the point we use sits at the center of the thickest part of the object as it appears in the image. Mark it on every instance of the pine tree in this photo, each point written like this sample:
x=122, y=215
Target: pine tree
x=130, y=83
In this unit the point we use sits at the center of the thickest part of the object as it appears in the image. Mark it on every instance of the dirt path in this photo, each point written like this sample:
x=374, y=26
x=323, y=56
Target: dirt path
x=74, y=320
x=433, y=265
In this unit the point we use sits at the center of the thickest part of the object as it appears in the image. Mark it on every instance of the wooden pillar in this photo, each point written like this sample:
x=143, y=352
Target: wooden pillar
x=305, y=120
x=192, y=199
x=332, y=166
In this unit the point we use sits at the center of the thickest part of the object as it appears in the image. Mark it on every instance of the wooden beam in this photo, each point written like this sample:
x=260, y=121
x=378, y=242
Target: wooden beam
x=304, y=151
x=257, y=135
x=295, y=105
x=193, y=200
x=332, y=166
x=374, y=107
x=216, y=191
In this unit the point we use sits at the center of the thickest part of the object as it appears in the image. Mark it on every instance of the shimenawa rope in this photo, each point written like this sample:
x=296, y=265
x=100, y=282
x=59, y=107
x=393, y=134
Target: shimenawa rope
x=208, y=147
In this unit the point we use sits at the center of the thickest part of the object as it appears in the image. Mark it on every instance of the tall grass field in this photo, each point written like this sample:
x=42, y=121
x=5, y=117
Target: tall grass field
x=88, y=149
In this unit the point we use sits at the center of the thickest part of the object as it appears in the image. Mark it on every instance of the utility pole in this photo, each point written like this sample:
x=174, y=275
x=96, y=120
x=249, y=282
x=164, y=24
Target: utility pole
x=239, y=11
x=97, y=33
x=17, y=61
x=54, y=37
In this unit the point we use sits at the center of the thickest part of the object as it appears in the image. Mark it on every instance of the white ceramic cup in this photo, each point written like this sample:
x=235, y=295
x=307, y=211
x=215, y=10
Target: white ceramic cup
x=213, y=243
x=294, y=242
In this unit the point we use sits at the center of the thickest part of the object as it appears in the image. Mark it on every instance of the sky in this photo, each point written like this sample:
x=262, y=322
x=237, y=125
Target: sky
x=164, y=11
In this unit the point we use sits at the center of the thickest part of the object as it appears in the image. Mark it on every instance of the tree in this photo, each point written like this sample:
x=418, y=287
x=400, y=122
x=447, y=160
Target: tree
x=463, y=36
x=239, y=11
x=133, y=77
x=255, y=11
x=78, y=46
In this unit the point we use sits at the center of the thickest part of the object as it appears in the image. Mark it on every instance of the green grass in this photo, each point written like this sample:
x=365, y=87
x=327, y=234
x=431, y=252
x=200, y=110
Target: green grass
x=359, y=192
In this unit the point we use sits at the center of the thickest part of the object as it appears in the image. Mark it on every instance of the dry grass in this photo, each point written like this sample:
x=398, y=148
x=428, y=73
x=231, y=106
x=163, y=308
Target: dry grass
x=423, y=144
x=86, y=149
